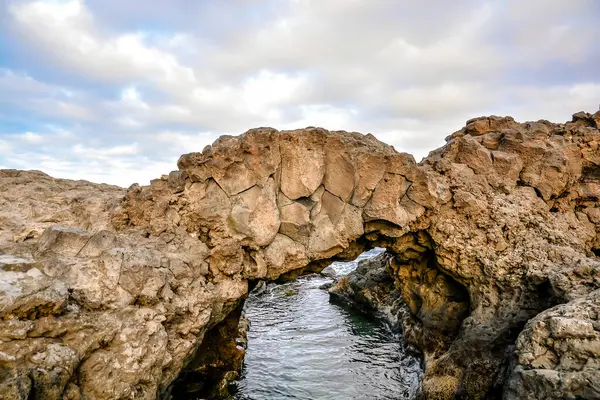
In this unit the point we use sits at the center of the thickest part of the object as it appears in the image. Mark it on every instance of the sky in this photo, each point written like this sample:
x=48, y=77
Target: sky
x=115, y=91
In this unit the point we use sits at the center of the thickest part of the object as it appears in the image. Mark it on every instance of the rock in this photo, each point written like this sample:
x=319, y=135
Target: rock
x=235, y=165
x=295, y=220
x=31, y=295
x=483, y=125
x=384, y=203
x=63, y=240
x=369, y=171
x=217, y=362
x=284, y=254
x=558, y=353
x=177, y=180
x=98, y=243
x=109, y=293
x=370, y=287
x=9, y=262
x=302, y=163
x=339, y=169
x=255, y=214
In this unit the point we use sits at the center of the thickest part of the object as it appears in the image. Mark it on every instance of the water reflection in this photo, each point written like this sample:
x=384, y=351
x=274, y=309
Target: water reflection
x=301, y=346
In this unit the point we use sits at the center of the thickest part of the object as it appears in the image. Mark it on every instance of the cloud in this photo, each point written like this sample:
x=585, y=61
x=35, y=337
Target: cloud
x=5, y=147
x=103, y=154
x=115, y=91
x=69, y=33
x=31, y=137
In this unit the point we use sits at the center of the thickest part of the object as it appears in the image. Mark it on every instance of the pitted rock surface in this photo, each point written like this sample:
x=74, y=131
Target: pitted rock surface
x=107, y=293
x=557, y=353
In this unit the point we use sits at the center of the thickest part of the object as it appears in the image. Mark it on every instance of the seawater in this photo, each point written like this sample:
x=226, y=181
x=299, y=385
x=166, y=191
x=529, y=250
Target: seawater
x=302, y=346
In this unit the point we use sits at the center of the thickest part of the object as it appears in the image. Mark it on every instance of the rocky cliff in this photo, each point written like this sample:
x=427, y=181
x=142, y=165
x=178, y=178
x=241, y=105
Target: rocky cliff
x=109, y=294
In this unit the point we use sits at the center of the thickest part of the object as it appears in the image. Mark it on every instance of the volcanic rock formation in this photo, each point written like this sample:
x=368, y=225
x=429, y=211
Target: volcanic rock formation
x=109, y=294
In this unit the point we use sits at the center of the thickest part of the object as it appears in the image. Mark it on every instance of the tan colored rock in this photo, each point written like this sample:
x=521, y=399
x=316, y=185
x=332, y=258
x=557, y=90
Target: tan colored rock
x=295, y=221
x=236, y=165
x=63, y=240
x=30, y=295
x=98, y=243
x=473, y=154
x=209, y=205
x=384, y=203
x=339, y=169
x=255, y=214
x=508, y=169
x=302, y=163
x=283, y=255
x=350, y=224
x=107, y=293
x=558, y=353
x=482, y=125
x=227, y=258
x=325, y=241
x=333, y=206
x=468, y=203
x=97, y=284
x=255, y=265
x=369, y=171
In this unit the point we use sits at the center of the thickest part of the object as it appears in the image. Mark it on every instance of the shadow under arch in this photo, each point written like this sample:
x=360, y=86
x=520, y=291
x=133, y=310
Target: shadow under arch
x=270, y=205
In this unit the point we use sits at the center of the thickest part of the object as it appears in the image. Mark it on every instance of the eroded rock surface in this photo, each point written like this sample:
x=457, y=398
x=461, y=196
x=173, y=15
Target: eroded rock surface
x=558, y=353
x=108, y=294
x=371, y=288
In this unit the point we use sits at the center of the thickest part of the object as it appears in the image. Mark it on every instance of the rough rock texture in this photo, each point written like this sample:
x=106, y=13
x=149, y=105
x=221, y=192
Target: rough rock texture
x=91, y=313
x=108, y=294
x=218, y=360
x=371, y=288
x=558, y=353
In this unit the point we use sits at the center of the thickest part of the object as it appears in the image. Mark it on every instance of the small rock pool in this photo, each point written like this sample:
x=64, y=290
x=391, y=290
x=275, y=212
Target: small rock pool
x=302, y=346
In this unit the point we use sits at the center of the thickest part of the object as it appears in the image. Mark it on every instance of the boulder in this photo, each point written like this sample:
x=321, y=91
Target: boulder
x=558, y=353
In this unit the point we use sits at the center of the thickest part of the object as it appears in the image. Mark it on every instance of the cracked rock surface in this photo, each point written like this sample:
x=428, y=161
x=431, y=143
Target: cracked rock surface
x=107, y=293
x=558, y=353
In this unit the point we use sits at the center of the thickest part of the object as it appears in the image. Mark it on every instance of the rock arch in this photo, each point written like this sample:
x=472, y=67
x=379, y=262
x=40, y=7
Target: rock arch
x=504, y=213
x=267, y=202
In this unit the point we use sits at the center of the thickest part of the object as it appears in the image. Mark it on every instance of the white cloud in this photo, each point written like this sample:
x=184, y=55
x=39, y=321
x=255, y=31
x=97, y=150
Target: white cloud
x=5, y=147
x=268, y=89
x=102, y=154
x=33, y=138
x=181, y=143
x=333, y=118
x=555, y=103
x=116, y=91
x=69, y=32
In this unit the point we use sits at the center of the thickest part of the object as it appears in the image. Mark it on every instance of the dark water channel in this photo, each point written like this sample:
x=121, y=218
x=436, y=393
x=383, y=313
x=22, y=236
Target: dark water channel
x=302, y=346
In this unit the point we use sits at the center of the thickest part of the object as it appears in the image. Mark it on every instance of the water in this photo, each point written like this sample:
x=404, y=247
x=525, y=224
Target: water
x=301, y=346
x=344, y=268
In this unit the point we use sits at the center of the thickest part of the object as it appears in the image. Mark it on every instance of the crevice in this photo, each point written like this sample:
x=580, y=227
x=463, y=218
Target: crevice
x=243, y=191
x=83, y=247
x=333, y=194
x=406, y=194
x=216, y=363
x=398, y=174
x=590, y=174
x=219, y=186
x=294, y=240
x=372, y=191
x=306, y=201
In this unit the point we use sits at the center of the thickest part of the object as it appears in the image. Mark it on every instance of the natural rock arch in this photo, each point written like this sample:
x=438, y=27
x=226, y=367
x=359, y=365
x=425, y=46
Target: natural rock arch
x=487, y=232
